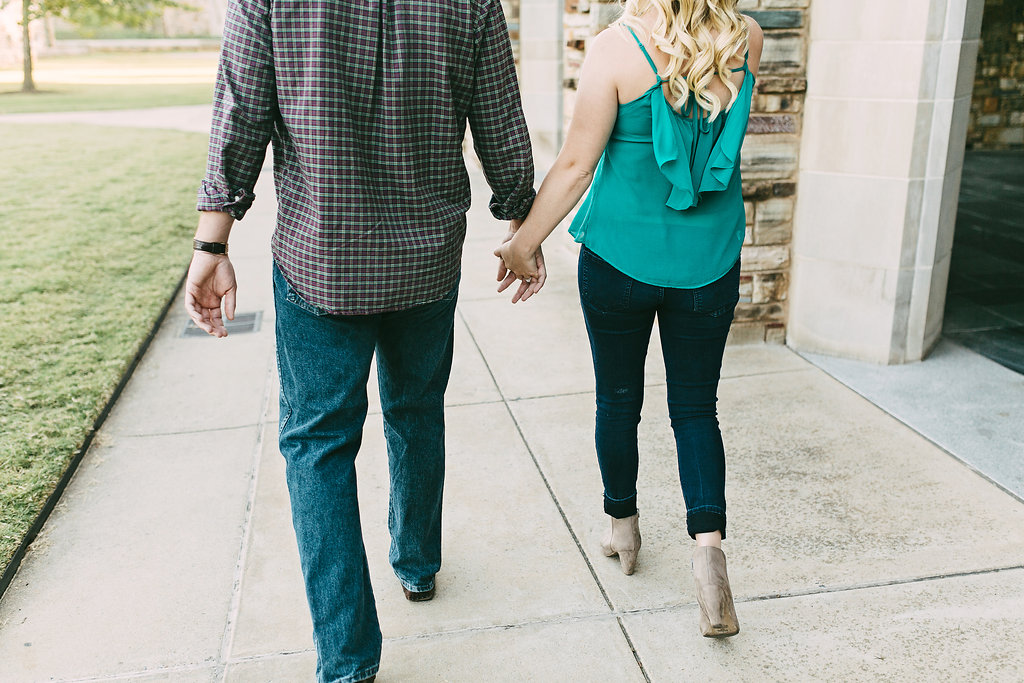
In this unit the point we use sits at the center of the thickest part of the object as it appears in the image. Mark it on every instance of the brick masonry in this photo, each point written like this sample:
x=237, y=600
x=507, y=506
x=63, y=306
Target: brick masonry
x=997, y=108
x=770, y=154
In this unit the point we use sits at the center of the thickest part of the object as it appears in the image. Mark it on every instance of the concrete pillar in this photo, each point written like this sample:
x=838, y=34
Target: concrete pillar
x=888, y=99
x=540, y=71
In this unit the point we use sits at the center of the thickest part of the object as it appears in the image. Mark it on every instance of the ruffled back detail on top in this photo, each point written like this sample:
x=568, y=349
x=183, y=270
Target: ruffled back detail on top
x=695, y=154
x=696, y=157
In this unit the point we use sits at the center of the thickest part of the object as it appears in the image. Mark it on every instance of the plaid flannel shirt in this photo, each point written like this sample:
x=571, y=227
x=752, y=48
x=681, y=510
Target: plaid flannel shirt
x=366, y=104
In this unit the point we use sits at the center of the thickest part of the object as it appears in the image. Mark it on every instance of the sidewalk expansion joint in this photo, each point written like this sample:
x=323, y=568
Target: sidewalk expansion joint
x=824, y=590
x=565, y=619
x=474, y=402
x=767, y=373
x=569, y=394
x=207, y=430
x=554, y=499
x=447, y=406
x=231, y=622
x=647, y=385
x=130, y=675
x=469, y=404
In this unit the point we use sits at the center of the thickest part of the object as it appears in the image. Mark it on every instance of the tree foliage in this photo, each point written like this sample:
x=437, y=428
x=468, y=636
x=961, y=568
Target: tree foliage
x=128, y=13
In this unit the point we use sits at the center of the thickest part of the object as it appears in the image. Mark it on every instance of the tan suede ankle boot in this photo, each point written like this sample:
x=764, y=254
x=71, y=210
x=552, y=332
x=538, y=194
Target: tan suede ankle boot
x=623, y=540
x=717, y=611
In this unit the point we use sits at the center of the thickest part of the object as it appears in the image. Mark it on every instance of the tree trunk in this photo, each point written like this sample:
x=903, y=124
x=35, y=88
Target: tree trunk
x=28, y=84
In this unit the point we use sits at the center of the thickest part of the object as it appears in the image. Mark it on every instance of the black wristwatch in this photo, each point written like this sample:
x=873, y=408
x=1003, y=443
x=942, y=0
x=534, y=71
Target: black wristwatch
x=210, y=247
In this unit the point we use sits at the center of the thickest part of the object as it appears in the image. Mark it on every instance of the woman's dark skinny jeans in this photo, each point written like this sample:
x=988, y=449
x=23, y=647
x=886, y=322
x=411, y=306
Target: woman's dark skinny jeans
x=693, y=323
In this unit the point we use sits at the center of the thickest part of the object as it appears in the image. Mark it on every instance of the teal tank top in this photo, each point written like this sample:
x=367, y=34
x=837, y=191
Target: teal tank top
x=666, y=203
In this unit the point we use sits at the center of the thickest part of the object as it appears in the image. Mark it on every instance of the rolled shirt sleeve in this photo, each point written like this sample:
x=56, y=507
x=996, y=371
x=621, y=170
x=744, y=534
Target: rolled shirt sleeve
x=244, y=110
x=500, y=136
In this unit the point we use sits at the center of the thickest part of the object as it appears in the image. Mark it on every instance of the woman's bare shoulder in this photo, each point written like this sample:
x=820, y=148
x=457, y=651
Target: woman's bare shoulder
x=608, y=48
x=615, y=64
x=755, y=43
x=612, y=39
x=755, y=35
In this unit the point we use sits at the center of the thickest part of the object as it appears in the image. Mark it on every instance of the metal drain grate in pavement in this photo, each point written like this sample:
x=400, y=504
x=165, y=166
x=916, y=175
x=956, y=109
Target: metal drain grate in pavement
x=243, y=322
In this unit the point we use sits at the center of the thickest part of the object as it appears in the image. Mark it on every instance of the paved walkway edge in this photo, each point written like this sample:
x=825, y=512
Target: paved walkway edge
x=966, y=404
x=51, y=501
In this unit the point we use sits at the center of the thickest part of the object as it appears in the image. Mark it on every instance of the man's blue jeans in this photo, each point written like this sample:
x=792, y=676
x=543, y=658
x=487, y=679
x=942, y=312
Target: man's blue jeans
x=694, y=323
x=324, y=363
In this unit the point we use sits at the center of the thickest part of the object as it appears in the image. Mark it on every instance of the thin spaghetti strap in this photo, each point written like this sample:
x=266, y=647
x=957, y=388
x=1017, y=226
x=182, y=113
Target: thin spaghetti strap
x=646, y=55
x=746, y=57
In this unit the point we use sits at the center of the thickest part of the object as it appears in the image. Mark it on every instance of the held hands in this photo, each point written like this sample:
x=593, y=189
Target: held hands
x=518, y=262
x=211, y=280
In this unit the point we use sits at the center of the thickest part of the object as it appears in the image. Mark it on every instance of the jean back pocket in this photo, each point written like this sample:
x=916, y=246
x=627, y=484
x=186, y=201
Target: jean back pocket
x=603, y=287
x=721, y=296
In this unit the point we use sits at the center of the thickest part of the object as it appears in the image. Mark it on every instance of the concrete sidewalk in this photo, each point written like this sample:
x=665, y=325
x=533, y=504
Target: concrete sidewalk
x=857, y=549
x=189, y=118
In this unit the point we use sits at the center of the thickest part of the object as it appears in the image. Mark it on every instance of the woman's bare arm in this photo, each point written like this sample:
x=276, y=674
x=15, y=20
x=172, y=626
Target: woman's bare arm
x=593, y=119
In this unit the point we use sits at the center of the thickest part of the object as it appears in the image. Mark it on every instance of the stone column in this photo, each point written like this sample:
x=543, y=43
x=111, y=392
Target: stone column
x=888, y=98
x=540, y=71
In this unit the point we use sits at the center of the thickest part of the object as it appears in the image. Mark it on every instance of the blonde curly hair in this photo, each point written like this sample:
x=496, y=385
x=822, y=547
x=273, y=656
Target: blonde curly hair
x=700, y=37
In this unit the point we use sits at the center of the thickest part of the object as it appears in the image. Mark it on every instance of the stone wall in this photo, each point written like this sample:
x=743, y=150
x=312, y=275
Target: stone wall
x=997, y=109
x=770, y=154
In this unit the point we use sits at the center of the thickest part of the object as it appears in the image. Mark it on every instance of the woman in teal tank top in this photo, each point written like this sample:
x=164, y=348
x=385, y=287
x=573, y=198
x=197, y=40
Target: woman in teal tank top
x=660, y=117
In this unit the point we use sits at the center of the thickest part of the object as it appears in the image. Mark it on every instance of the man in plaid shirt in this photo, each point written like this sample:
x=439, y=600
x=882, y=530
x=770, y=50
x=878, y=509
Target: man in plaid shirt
x=366, y=104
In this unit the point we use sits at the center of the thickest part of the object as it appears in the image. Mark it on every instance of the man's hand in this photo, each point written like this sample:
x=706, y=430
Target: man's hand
x=513, y=227
x=211, y=280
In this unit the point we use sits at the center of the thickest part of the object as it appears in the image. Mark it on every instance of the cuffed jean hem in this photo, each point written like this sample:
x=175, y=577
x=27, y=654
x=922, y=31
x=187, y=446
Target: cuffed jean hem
x=416, y=587
x=358, y=676
x=620, y=509
x=705, y=521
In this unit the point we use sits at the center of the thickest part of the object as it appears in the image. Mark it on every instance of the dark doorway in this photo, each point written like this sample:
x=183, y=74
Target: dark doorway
x=985, y=297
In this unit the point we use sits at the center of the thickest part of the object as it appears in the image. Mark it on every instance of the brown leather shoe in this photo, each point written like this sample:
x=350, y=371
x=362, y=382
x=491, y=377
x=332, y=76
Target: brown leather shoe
x=418, y=596
x=717, y=611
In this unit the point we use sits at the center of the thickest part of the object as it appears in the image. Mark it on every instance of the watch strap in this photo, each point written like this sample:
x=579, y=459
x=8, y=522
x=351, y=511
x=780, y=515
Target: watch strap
x=210, y=247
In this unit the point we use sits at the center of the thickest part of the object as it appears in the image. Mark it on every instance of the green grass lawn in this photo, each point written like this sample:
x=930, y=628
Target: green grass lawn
x=94, y=228
x=87, y=97
x=129, y=80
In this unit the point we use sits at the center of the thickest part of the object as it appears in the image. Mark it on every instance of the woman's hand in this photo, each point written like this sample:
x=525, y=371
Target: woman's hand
x=518, y=258
x=521, y=263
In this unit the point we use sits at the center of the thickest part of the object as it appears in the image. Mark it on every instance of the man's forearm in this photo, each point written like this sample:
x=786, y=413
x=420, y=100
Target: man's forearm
x=214, y=226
